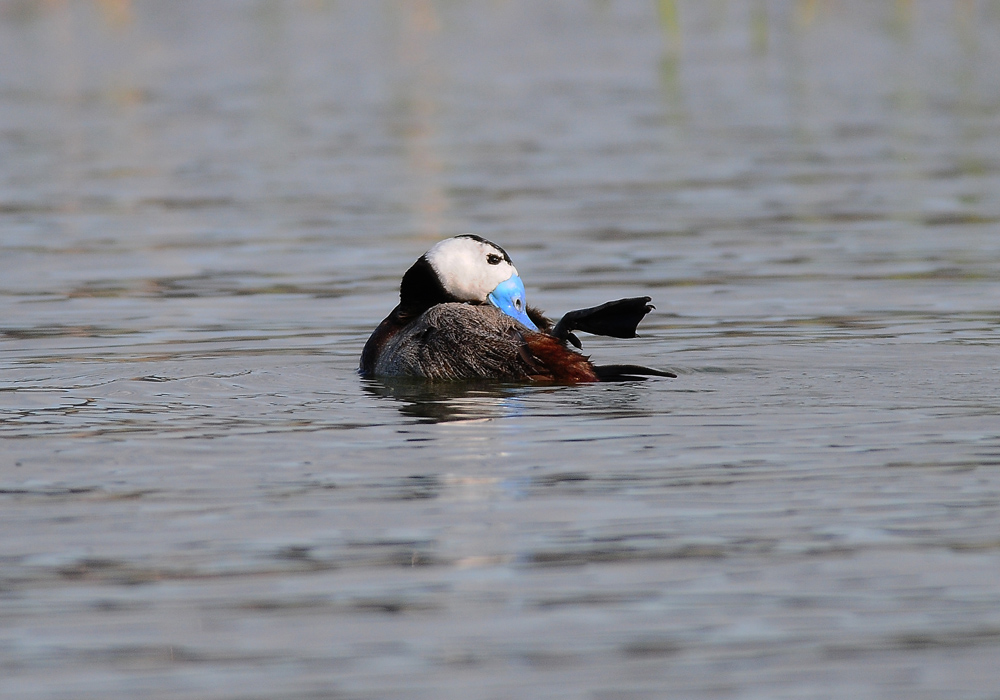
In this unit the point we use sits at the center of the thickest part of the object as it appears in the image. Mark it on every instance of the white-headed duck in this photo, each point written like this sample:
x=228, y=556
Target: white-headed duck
x=462, y=315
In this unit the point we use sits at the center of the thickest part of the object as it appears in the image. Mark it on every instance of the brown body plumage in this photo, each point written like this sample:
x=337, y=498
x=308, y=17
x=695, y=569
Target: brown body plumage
x=461, y=341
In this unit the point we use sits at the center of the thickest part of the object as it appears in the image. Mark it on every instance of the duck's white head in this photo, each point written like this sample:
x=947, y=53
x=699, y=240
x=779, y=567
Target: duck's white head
x=467, y=269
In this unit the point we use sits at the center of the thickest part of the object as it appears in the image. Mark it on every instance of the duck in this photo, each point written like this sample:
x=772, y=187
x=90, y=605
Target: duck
x=463, y=315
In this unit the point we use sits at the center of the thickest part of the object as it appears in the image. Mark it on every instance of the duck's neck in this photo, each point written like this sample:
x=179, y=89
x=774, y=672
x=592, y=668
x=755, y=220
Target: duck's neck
x=421, y=289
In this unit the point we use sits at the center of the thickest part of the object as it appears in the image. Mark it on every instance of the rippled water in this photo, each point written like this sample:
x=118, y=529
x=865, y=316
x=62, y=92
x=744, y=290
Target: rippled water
x=206, y=207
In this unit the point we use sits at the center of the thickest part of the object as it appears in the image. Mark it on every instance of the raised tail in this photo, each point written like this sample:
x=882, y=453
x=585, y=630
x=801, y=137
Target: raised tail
x=625, y=373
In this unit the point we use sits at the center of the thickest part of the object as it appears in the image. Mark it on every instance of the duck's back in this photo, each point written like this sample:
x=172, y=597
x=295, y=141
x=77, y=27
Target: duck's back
x=463, y=341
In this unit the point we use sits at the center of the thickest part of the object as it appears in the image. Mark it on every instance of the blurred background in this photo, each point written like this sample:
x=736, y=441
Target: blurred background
x=375, y=123
x=206, y=207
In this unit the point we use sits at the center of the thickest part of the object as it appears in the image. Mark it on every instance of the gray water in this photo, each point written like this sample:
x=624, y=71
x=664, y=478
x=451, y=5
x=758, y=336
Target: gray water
x=205, y=208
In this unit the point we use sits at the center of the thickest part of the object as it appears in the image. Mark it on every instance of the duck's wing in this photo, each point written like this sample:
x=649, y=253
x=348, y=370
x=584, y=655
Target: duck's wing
x=458, y=341
x=391, y=324
x=463, y=342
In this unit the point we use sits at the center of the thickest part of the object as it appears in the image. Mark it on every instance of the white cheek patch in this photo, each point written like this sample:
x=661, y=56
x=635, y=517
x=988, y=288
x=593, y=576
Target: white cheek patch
x=461, y=265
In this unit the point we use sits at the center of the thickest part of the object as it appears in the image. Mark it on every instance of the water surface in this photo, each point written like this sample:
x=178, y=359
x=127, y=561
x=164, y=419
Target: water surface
x=205, y=208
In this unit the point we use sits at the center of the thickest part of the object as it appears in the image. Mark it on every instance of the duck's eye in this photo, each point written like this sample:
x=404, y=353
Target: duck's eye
x=493, y=259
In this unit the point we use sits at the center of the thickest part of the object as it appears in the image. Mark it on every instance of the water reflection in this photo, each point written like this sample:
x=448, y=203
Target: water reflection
x=448, y=401
x=484, y=400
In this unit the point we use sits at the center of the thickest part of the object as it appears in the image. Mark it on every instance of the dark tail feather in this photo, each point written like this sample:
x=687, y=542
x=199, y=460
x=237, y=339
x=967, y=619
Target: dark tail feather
x=624, y=373
x=617, y=319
